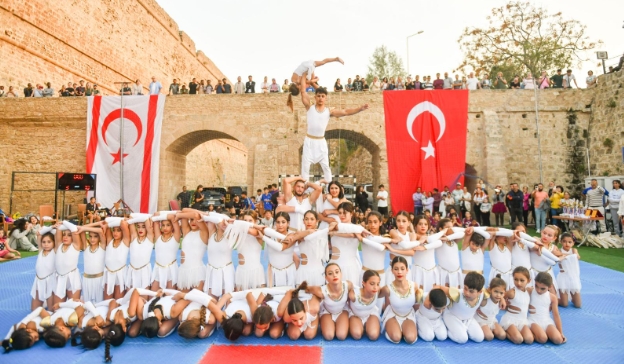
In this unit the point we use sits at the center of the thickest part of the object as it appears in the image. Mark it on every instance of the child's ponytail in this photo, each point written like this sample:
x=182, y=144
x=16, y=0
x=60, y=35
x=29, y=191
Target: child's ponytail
x=107, y=344
x=295, y=305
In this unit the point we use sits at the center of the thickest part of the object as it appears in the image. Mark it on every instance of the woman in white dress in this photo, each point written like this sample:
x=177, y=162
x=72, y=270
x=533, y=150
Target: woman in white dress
x=248, y=243
x=167, y=234
x=282, y=269
x=314, y=250
x=334, y=309
x=192, y=272
x=364, y=313
x=345, y=244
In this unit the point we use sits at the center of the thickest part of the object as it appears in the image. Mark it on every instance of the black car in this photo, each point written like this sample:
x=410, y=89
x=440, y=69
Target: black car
x=213, y=196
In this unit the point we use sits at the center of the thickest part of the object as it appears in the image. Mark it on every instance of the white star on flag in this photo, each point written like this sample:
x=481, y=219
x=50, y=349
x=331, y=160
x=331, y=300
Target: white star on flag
x=429, y=151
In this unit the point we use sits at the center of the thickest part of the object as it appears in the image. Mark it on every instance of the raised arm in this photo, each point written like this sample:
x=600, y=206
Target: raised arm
x=287, y=186
x=348, y=112
x=305, y=98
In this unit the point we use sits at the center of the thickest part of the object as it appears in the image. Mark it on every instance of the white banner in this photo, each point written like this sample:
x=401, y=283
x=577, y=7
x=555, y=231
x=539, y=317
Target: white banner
x=137, y=149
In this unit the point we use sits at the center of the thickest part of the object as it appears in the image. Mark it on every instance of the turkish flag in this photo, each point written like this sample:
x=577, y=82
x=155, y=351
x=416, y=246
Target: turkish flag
x=137, y=152
x=426, y=141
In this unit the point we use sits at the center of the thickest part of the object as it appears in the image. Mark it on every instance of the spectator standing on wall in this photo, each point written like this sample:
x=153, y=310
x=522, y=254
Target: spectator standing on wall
x=357, y=84
x=399, y=84
x=70, y=89
x=125, y=89
x=88, y=89
x=184, y=90
x=250, y=86
x=409, y=84
x=48, y=91
x=557, y=80
x=337, y=86
x=515, y=83
x=28, y=90
x=428, y=85
x=239, y=86
x=448, y=82
x=472, y=83
x=274, y=86
x=80, y=89
x=349, y=85
x=438, y=84
x=500, y=83
x=1, y=91
x=591, y=79
x=568, y=78
x=376, y=85
x=219, y=89
x=96, y=91
x=174, y=88
x=285, y=86
x=11, y=92
x=227, y=88
x=417, y=84
x=543, y=81
x=38, y=91
x=264, y=85
x=529, y=83
x=201, y=87
x=192, y=87
x=137, y=88
x=457, y=84
x=208, y=89
x=486, y=83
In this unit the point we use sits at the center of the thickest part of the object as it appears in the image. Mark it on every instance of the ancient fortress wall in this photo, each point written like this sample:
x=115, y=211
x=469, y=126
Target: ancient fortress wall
x=103, y=42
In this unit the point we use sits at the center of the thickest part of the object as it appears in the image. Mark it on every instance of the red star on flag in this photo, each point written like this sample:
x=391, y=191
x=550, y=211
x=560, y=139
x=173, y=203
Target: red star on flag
x=117, y=156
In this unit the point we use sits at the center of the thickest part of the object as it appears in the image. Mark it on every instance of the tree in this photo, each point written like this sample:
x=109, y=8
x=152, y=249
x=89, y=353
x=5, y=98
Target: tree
x=384, y=63
x=523, y=37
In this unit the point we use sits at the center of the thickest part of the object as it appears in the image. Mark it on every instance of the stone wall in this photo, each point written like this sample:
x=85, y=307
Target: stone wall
x=208, y=164
x=48, y=135
x=101, y=42
x=606, y=129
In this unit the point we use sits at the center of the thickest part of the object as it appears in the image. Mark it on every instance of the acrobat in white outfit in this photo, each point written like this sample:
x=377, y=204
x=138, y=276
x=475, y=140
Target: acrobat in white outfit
x=315, y=145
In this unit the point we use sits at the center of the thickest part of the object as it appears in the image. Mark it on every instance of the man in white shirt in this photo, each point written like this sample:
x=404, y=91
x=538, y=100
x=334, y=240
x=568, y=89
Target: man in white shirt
x=448, y=82
x=472, y=82
x=382, y=201
x=239, y=87
x=615, y=201
x=154, y=86
x=568, y=78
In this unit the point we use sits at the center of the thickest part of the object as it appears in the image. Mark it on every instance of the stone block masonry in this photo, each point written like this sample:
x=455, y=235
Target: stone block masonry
x=49, y=135
x=98, y=41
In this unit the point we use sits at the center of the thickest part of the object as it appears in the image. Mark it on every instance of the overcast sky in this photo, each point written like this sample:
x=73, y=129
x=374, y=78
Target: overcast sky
x=272, y=37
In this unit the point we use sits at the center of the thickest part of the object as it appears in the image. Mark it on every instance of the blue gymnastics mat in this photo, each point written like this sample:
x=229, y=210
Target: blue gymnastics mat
x=594, y=334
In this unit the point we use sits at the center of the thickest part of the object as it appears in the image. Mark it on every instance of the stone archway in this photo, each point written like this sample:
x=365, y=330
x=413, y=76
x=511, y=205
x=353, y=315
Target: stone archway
x=173, y=156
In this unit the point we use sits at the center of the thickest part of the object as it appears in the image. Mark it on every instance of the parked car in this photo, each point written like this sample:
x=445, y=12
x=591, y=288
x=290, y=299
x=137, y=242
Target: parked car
x=213, y=196
x=349, y=193
x=235, y=191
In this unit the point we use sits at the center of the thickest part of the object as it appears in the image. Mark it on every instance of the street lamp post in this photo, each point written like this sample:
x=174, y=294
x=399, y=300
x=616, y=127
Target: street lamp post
x=407, y=43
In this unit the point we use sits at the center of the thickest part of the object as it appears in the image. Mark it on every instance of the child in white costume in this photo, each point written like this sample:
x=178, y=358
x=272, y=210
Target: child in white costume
x=167, y=233
x=141, y=248
x=117, y=250
x=45, y=270
x=569, y=277
x=192, y=272
x=94, y=259
x=68, y=247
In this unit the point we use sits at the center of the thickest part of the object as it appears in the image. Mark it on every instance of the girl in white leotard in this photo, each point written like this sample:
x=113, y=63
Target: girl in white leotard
x=167, y=234
x=159, y=316
x=486, y=314
x=94, y=259
x=424, y=270
x=373, y=248
x=364, y=313
x=514, y=321
x=117, y=249
x=192, y=272
x=195, y=320
x=220, y=270
x=500, y=258
x=543, y=302
x=57, y=327
x=281, y=270
x=25, y=333
x=544, y=257
x=569, y=277
x=141, y=248
x=447, y=256
x=302, y=317
x=472, y=253
x=45, y=271
x=401, y=296
x=264, y=314
x=334, y=309
x=520, y=252
x=68, y=247
x=328, y=211
x=345, y=245
x=250, y=272
x=314, y=250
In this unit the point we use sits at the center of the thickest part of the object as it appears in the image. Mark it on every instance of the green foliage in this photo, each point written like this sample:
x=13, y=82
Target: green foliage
x=608, y=143
x=611, y=103
x=576, y=166
x=384, y=63
x=526, y=37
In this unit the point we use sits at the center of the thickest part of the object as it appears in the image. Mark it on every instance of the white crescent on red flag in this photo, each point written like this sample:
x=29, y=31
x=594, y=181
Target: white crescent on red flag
x=141, y=148
x=425, y=140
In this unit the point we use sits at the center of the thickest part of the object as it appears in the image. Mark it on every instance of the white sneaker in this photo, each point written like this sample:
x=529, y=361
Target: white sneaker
x=537, y=231
x=33, y=249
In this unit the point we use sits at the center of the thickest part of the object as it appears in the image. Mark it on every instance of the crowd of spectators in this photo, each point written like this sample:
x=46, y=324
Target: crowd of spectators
x=565, y=80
